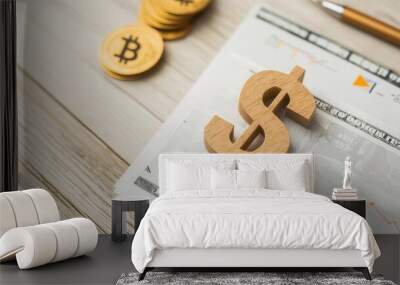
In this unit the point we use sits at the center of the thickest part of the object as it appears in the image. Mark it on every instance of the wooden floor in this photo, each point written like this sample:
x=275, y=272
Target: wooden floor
x=110, y=259
x=79, y=129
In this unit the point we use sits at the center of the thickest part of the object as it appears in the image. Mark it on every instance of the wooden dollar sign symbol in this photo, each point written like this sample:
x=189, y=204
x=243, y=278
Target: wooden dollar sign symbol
x=263, y=96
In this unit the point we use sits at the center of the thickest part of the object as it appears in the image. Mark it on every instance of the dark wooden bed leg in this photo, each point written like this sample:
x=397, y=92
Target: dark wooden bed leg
x=143, y=274
x=364, y=271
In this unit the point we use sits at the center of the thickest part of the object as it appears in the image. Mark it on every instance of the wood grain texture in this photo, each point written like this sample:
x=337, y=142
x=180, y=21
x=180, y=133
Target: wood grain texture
x=28, y=177
x=66, y=158
x=79, y=128
x=54, y=61
x=262, y=98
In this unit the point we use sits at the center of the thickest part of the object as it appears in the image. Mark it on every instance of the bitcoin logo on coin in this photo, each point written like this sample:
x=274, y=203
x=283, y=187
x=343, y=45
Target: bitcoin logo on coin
x=265, y=95
x=127, y=47
x=131, y=50
x=172, y=18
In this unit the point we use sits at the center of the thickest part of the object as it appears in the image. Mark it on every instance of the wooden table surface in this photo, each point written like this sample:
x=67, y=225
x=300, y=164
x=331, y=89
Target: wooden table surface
x=79, y=129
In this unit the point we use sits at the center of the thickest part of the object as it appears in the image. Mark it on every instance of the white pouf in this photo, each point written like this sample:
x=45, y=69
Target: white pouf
x=31, y=232
x=41, y=244
x=26, y=208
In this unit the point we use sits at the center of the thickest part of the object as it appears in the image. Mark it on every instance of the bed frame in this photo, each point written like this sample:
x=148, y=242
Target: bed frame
x=260, y=259
x=237, y=259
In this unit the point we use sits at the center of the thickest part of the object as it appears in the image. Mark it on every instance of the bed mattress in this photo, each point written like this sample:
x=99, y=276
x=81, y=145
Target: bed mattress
x=250, y=219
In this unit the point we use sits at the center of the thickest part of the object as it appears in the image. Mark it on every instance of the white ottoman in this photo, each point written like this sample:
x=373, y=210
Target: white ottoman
x=31, y=233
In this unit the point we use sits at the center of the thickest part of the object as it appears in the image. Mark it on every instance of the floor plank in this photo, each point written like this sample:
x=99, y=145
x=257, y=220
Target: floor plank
x=57, y=147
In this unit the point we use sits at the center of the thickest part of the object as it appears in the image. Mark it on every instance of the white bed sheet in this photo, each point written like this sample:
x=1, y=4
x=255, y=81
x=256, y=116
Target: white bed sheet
x=252, y=218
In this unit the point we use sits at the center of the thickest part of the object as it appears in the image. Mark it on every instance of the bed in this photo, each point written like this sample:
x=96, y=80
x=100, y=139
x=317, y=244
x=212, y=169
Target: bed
x=245, y=211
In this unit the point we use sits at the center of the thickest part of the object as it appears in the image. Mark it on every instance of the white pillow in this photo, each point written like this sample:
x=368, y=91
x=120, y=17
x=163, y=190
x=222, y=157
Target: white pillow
x=193, y=174
x=282, y=174
x=182, y=177
x=223, y=179
x=293, y=178
x=251, y=178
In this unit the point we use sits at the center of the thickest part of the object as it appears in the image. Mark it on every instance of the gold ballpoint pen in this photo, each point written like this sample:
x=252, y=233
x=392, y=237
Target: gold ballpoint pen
x=362, y=21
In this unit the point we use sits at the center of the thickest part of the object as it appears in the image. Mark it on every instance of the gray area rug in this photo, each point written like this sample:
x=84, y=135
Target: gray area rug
x=269, y=278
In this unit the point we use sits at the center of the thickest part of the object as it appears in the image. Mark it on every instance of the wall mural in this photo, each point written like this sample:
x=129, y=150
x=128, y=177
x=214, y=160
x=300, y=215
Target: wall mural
x=86, y=137
x=349, y=120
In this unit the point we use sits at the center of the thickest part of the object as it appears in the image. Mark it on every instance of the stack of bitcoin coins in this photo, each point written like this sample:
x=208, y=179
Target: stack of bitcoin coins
x=130, y=51
x=172, y=18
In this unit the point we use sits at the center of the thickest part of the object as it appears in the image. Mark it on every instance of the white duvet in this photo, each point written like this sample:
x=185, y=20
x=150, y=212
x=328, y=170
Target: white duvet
x=250, y=219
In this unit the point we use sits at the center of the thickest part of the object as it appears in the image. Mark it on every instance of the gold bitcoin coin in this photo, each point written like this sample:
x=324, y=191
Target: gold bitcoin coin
x=158, y=9
x=131, y=50
x=124, y=77
x=151, y=10
x=184, y=7
x=150, y=20
x=170, y=35
x=116, y=75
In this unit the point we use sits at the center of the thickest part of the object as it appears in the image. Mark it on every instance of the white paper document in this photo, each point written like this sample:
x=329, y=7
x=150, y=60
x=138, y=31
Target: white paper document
x=358, y=113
